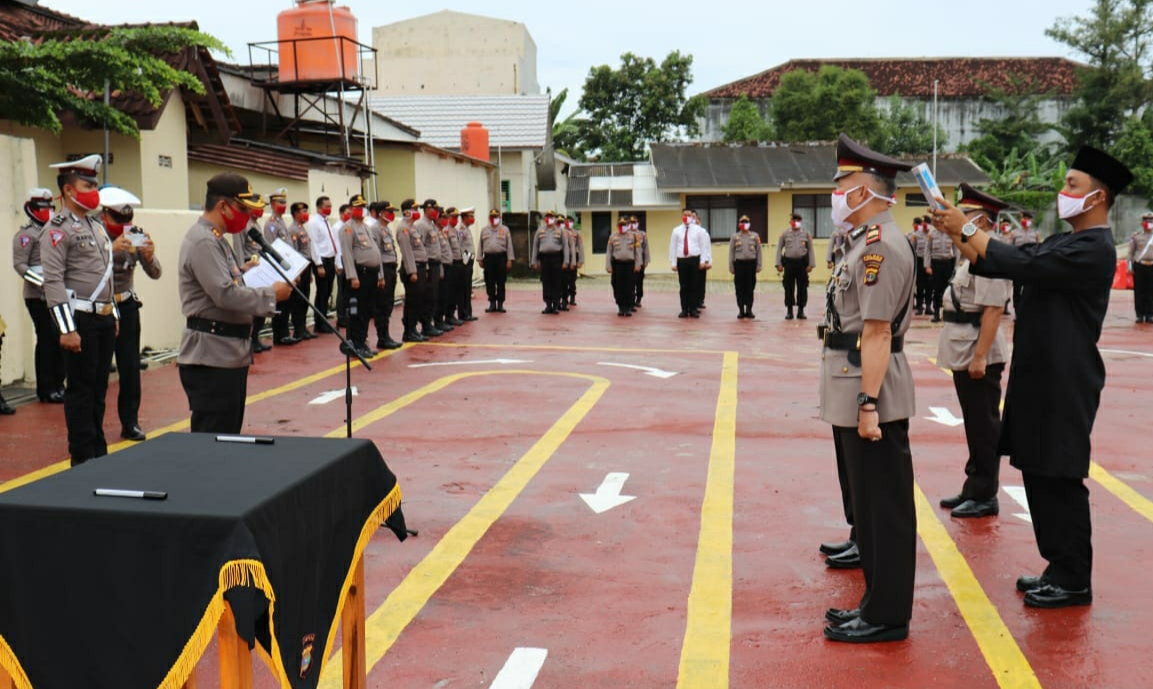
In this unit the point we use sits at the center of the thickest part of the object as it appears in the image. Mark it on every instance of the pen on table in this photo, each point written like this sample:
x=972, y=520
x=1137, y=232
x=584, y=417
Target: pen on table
x=250, y=439
x=141, y=494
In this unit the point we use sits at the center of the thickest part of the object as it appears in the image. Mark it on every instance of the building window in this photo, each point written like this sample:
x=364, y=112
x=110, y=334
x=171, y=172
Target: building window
x=602, y=229
x=718, y=215
x=505, y=196
x=815, y=211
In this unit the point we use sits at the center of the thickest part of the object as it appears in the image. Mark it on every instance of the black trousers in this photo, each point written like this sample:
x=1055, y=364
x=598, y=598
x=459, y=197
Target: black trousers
x=385, y=300
x=447, y=297
x=796, y=280
x=1063, y=528
x=49, y=355
x=324, y=285
x=745, y=282
x=342, y=302
x=939, y=282
x=881, y=484
x=128, y=363
x=365, y=295
x=689, y=275
x=639, y=279
x=464, y=290
x=981, y=408
x=257, y=326
x=624, y=284
x=300, y=306
x=432, y=292
x=568, y=289
x=924, y=289
x=550, y=277
x=87, y=372
x=702, y=287
x=495, y=275
x=281, y=319
x=216, y=397
x=1142, y=290
x=843, y=481
x=414, y=297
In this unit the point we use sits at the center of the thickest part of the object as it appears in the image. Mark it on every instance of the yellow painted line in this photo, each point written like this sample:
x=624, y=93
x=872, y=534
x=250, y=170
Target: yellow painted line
x=1002, y=654
x=385, y=624
x=184, y=424
x=706, y=651
x=564, y=348
x=1137, y=502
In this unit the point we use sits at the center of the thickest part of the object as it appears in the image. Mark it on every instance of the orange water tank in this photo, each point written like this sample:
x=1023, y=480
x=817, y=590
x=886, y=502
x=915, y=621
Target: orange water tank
x=474, y=141
x=308, y=49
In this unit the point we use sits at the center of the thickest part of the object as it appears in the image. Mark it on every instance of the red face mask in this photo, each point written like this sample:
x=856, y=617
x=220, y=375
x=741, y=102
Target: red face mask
x=237, y=222
x=917, y=227
x=744, y=226
x=88, y=200
x=114, y=230
x=1005, y=227
x=430, y=214
x=259, y=212
x=325, y=211
x=40, y=215
x=388, y=216
x=550, y=221
x=358, y=213
x=1026, y=223
x=302, y=218
x=414, y=215
x=1147, y=225
x=277, y=208
x=344, y=217
x=796, y=225
x=685, y=219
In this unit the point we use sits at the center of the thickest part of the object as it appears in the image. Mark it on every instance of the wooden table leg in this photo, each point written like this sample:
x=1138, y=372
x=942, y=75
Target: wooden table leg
x=235, y=656
x=352, y=631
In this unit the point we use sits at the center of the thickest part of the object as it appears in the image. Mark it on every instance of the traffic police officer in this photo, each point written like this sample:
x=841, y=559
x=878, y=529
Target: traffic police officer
x=413, y=269
x=131, y=246
x=26, y=260
x=867, y=392
x=795, y=258
x=624, y=258
x=362, y=261
x=496, y=250
x=744, y=263
x=938, y=264
x=1141, y=265
x=550, y=253
x=973, y=347
x=78, y=286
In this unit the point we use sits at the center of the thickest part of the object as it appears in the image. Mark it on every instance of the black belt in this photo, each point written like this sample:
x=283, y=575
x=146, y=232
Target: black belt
x=852, y=342
x=973, y=319
x=237, y=330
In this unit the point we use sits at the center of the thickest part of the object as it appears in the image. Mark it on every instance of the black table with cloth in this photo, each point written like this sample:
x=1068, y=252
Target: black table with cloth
x=124, y=592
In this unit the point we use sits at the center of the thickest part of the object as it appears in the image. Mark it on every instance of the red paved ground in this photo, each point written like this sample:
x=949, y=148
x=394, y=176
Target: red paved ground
x=606, y=594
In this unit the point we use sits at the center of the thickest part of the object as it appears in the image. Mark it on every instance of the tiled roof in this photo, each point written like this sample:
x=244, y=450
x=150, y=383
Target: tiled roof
x=19, y=20
x=766, y=167
x=511, y=121
x=616, y=185
x=957, y=77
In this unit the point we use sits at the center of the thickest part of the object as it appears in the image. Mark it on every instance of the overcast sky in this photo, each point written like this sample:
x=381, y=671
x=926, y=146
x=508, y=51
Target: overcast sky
x=728, y=39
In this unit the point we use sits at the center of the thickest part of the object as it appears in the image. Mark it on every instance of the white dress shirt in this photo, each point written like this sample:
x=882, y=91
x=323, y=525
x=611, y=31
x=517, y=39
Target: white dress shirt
x=699, y=244
x=324, y=244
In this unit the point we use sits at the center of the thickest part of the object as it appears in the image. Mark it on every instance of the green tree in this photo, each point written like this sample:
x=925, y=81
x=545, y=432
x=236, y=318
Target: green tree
x=638, y=103
x=566, y=133
x=903, y=130
x=1019, y=127
x=818, y=106
x=745, y=122
x=39, y=81
x=1134, y=147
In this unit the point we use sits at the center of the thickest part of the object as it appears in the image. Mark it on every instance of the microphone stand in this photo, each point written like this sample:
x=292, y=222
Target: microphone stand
x=348, y=349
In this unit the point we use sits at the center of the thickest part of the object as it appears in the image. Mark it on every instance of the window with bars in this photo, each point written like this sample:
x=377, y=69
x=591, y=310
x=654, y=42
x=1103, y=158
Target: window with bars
x=718, y=215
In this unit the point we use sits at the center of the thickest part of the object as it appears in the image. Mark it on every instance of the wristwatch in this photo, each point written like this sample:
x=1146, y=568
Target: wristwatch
x=863, y=399
x=968, y=230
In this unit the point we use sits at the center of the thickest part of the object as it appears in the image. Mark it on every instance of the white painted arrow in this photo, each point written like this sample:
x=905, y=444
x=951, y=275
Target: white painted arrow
x=647, y=370
x=944, y=417
x=521, y=669
x=471, y=363
x=332, y=395
x=1018, y=495
x=608, y=495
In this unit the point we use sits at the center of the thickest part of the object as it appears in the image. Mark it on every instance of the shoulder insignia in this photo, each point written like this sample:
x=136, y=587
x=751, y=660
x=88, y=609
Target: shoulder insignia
x=872, y=267
x=873, y=234
x=58, y=220
x=858, y=231
x=25, y=240
x=56, y=236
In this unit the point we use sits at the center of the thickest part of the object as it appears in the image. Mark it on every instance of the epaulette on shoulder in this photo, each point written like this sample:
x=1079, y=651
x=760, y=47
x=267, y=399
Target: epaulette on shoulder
x=872, y=234
x=858, y=231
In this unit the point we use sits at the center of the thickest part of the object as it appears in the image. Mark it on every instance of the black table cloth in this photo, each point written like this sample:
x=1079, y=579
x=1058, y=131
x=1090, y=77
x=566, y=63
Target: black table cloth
x=124, y=592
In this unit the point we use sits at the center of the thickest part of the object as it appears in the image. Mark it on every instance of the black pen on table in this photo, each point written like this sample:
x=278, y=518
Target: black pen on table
x=140, y=494
x=250, y=439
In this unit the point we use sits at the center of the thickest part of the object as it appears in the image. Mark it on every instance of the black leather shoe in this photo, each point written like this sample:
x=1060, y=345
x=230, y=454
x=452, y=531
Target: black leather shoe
x=365, y=351
x=750, y=314
x=951, y=502
x=301, y=336
x=741, y=316
x=347, y=350
x=432, y=332
x=133, y=433
x=56, y=397
x=850, y=559
x=143, y=364
x=454, y=321
x=258, y=347
x=500, y=307
x=836, y=548
x=6, y=410
x=841, y=616
x=801, y=315
x=388, y=344
x=491, y=307
x=1052, y=596
x=683, y=314
x=469, y=318
x=1027, y=583
x=977, y=508
x=563, y=306
x=414, y=337
x=694, y=314
x=858, y=631
x=286, y=341
x=789, y=315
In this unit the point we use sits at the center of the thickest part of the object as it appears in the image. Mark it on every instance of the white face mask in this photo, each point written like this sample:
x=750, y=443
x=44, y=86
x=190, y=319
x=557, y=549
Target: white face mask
x=841, y=210
x=744, y=226
x=1069, y=206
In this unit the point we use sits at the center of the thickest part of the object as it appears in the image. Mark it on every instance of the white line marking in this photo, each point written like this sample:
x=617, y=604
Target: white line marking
x=1018, y=495
x=471, y=363
x=608, y=494
x=332, y=395
x=944, y=417
x=521, y=669
x=1124, y=351
x=648, y=370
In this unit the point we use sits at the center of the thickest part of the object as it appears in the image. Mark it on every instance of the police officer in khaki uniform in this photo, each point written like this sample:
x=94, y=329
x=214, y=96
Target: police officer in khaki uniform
x=938, y=264
x=744, y=264
x=496, y=250
x=276, y=228
x=795, y=258
x=389, y=259
x=426, y=225
x=867, y=392
x=77, y=262
x=919, y=239
x=836, y=249
x=131, y=246
x=248, y=253
x=646, y=259
x=1141, y=265
x=468, y=264
x=453, y=267
x=413, y=269
x=26, y=260
x=550, y=254
x=216, y=344
x=362, y=263
x=624, y=258
x=973, y=347
x=576, y=262
x=300, y=239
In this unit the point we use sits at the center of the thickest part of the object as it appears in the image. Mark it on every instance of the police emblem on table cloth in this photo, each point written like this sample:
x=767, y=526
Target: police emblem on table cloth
x=872, y=267
x=306, y=655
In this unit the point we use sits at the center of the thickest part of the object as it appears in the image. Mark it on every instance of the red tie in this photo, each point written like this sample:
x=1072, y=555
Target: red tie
x=686, y=241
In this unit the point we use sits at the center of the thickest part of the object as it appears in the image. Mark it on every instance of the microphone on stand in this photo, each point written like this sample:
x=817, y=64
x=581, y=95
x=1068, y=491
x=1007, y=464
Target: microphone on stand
x=257, y=236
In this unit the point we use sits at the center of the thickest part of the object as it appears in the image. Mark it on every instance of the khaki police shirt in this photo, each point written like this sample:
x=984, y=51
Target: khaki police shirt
x=1141, y=248
x=646, y=257
x=876, y=281
x=577, y=249
x=920, y=241
x=300, y=239
x=244, y=247
x=124, y=268
x=411, y=247
x=382, y=235
x=496, y=240
x=211, y=287
x=356, y=241
x=467, y=245
x=938, y=247
x=429, y=237
x=624, y=246
x=449, y=239
x=275, y=228
x=744, y=246
x=1023, y=237
x=549, y=240
x=795, y=244
x=26, y=256
x=958, y=341
x=836, y=246
x=75, y=254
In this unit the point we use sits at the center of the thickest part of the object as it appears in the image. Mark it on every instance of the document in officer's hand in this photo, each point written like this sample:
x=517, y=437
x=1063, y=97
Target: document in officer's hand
x=264, y=274
x=928, y=185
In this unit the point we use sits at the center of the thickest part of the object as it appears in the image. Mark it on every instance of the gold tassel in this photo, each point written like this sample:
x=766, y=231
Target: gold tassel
x=10, y=663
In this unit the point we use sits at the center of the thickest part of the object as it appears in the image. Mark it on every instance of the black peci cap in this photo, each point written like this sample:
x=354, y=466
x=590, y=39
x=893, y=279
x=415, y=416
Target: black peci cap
x=1103, y=167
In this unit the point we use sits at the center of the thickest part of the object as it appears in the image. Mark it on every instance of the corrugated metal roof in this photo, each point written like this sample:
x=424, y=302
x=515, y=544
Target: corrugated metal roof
x=511, y=121
x=616, y=186
x=770, y=167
